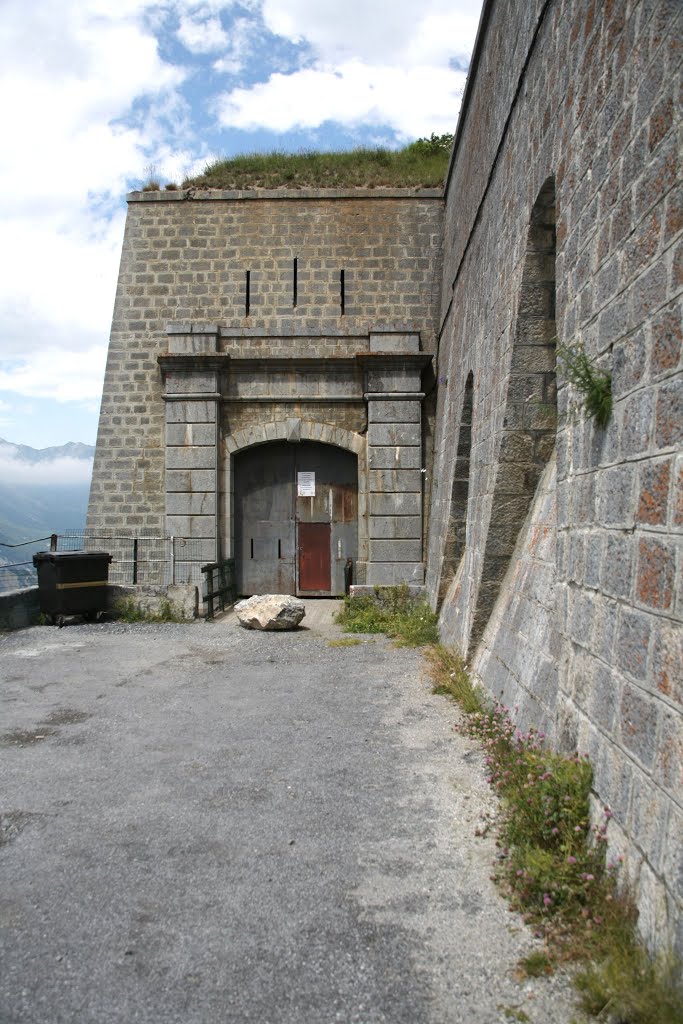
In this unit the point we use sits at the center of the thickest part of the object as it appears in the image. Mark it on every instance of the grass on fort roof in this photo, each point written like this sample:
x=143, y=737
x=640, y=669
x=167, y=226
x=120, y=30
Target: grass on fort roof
x=422, y=164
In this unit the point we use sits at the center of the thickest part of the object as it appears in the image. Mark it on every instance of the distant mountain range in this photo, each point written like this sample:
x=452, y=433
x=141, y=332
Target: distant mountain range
x=42, y=491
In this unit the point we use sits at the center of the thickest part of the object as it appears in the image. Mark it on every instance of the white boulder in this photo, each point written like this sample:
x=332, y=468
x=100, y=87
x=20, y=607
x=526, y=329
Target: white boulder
x=270, y=611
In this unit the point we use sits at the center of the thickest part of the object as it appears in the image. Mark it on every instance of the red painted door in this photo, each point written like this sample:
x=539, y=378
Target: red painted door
x=314, y=557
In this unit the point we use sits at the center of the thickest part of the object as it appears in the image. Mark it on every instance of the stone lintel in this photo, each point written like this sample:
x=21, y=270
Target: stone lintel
x=191, y=327
x=197, y=362
x=299, y=399
x=394, y=396
x=375, y=360
x=194, y=396
x=394, y=341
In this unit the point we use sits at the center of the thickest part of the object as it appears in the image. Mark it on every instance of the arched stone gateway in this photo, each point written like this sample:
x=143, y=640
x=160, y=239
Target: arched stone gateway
x=295, y=518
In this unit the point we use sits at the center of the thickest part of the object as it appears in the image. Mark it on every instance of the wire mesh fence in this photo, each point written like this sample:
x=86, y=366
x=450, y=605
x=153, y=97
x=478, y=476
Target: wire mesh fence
x=151, y=559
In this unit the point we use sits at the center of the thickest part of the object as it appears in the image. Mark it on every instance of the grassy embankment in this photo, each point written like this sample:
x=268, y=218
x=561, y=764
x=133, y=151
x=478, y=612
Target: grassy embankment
x=422, y=164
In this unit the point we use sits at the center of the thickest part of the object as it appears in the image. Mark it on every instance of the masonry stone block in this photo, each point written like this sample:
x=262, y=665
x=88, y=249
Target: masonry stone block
x=179, y=434
x=191, y=382
x=396, y=457
x=190, y=458
x=394, y=527
x=199, y=480
x=396, y=480
x=189, y=344
x=638, y=714
x=384, y=434
x=615, y=497
x=395, y=504
x=394, y=412
x=390, y=574
x=190, y=504
x=394, y=379
x=656, y=572
x=386, y=341
x=395, y=550
x=191, y=526
x=633, y=643
x=190, y=412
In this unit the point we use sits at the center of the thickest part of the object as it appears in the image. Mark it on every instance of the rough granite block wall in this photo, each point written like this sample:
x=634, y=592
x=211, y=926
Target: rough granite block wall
x=584, y=638
x=213, y=280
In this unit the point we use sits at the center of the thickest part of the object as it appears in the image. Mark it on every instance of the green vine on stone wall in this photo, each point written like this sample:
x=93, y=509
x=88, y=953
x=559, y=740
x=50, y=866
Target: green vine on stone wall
x=594, y=385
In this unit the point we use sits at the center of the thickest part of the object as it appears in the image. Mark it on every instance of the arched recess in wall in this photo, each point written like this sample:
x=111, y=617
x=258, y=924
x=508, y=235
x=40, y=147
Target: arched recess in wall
x=457, y=514
x=530, y=422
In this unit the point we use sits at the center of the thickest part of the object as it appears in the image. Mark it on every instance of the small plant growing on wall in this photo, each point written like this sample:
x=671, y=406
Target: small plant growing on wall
x=593, y=385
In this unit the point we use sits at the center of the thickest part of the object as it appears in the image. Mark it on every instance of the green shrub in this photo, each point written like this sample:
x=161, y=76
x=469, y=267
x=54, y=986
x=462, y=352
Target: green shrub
x=594, y=386
x=393, y=611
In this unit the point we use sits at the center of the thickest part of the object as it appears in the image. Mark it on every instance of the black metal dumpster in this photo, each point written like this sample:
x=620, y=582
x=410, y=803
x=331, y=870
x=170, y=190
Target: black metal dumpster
x=72, y=583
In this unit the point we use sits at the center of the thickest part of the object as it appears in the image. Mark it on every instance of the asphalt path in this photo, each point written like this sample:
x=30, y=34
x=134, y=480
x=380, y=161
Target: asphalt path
x=202, y=824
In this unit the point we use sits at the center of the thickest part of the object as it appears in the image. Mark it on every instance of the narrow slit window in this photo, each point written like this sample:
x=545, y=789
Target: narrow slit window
x=295, y=282
x=279, y=548
x=342, y=295
x=252, y=547
x=247, y=302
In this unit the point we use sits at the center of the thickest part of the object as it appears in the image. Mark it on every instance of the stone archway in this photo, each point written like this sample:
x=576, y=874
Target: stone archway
x=278, y=536
x=530, y=423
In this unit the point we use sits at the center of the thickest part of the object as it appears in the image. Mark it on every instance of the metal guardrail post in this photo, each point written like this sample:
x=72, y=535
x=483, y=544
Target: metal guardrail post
x=135, y=561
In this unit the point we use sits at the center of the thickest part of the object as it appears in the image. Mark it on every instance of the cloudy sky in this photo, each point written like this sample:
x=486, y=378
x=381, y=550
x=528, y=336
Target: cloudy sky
x=95, y=93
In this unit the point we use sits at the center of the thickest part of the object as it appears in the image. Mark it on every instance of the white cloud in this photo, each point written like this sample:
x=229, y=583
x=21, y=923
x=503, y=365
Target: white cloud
x=202, y=35
x=89, y=101
x=60, y=472
x=64, y=374
x=239, y=46
x=380, y=64
x=71, y=77
x=351, y=94
x=380, y=32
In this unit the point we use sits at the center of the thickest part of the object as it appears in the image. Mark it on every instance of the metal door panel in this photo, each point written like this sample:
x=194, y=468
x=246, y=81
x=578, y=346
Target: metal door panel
x=314, y=557
x=268, y=508
x=264, y=520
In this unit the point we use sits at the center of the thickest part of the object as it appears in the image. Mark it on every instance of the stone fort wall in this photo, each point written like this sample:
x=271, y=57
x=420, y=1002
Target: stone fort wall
x=261, y=307
x=559, y=572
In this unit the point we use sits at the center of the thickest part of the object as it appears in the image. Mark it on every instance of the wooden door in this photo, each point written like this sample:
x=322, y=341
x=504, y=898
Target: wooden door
x=314, y=557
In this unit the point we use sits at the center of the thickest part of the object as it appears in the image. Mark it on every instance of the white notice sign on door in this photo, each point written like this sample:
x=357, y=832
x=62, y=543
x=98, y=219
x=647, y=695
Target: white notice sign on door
x=305, y=485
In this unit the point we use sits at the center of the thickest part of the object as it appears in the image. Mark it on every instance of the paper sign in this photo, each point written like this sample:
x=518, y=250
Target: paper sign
x=306, y=485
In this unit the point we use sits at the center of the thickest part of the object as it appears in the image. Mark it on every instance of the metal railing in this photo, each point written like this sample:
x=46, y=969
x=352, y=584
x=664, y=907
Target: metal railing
x=136, y=558
x=220, y=586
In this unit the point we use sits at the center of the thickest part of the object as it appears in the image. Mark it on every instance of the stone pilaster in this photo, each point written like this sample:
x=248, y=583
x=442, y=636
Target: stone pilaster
x=393, y=372
x=192, y=401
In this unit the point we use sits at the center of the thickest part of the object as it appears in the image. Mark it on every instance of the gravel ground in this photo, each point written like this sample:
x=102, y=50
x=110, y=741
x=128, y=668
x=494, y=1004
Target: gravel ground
x=206, y=824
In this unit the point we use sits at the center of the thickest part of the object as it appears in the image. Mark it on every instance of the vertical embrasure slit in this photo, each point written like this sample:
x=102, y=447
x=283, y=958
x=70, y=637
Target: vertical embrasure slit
x=247, y=300
x=295, y=282
x=279, y=548
x=342, y=295
x=252, y=547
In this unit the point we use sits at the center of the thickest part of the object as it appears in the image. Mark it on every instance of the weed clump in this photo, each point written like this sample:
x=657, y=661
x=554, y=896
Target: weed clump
x=593, y=385
x=552, y=865
x=127, y=609
x=393, y=611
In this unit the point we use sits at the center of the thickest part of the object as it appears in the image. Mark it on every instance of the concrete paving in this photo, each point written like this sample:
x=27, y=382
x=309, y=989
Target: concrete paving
x=206, y=824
